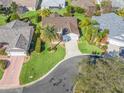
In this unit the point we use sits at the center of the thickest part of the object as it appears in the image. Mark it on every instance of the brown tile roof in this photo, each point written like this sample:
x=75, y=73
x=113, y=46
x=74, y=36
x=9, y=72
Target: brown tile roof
x=62, y=22
x=83, y=3
x=27, y=3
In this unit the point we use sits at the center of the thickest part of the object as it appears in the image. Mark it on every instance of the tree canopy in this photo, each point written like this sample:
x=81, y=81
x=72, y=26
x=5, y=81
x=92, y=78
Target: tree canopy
x=100, y=76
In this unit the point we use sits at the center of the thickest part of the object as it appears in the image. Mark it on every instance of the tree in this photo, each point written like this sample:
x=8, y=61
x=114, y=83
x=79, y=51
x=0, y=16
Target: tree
x=44, y=13
x=100, y=76
x=14, y=7
x=85, y=22
x=48, y=34
x=13, y=15
x=79, y=10
x=120, y=12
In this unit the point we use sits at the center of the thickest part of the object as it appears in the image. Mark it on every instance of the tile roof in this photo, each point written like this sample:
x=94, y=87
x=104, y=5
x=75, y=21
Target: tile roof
x=17, y=34
x=112, y=22
x=27, y=3
x=83, y=3
x=61, y=23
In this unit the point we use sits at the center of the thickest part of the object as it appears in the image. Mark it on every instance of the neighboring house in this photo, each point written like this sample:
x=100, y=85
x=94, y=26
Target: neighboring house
x=66, y=27
x=115, y=24
x=88, y=5
x=53, y=4
x=31, y=5
x=118, y=3
x=16, y=36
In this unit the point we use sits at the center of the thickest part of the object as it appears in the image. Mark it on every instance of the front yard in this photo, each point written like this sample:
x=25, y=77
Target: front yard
x=40, y=64
x=85, y=47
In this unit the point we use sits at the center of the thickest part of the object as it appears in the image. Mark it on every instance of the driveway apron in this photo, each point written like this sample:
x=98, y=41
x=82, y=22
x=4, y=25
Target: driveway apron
x=72, y=49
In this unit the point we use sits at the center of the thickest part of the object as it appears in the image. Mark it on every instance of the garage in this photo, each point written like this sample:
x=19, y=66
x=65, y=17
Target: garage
x=17, y=53
x=116, y=42
x=73, y=36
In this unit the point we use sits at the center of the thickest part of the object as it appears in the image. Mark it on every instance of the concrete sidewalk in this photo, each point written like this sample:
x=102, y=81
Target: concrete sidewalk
x=12, y=73
x=72, y=49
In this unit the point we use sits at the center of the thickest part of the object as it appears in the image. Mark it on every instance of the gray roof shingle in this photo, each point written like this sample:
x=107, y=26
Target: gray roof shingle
x=114, y=23
x=17, y=34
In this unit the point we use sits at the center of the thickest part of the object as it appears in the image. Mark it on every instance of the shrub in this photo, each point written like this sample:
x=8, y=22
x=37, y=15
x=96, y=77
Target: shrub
x=79, y=10
x=2, y=64
x=38, y=45
x=2, y=52
x=94, y=22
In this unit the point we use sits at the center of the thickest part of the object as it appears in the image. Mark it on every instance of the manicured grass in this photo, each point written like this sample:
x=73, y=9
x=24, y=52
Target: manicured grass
x=85, y=47
x=32, y=15
x=1, y=74
x=2, y=20
x=40, y=64
x=59, y=11
x=79, y=16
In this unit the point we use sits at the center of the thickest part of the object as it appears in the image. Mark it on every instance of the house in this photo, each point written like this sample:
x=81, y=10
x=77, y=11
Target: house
x=88, y=5
x=25, y=3
x=66, y=27
x=115, y=24
x=16, y=37
x=53, y=4
x=118, y=3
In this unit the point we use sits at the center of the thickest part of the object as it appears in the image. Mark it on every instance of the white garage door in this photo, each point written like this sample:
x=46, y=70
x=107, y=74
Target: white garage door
x=17, y=54
x=116, y=42
x=73, y=36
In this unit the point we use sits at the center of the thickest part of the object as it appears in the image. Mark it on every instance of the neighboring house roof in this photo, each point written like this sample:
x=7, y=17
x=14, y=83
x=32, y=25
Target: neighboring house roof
x=114, y=23
x=83, y=3
x=27, y=3
x=17, y=34
x=118, y=3
x=52, y=3
x=62, y=22
x=5, y=3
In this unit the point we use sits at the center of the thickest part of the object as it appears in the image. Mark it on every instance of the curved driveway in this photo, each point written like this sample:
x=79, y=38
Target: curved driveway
x=61, y=80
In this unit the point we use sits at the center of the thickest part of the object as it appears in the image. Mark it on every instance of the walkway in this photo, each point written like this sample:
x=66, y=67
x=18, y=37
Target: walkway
x=11, y=74
x=72, y=49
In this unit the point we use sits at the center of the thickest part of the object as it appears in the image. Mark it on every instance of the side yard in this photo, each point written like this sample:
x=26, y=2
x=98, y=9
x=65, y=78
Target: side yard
x=40, y=64
x=85, y=47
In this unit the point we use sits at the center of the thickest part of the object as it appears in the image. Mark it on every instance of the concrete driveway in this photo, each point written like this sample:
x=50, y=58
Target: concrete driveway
x=11, y=75
x=61, y=80
x=72, y=49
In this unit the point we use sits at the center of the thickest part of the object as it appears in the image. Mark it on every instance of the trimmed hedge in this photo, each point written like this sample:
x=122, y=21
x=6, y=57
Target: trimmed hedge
x=2, y=64
x=38, y=45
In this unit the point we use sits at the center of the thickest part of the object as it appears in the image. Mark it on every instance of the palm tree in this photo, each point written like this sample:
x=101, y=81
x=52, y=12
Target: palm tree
x=13, y=15
x=48, y=34
x=44, y=13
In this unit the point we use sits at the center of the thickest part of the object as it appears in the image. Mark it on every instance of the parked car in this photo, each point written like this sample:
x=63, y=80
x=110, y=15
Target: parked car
x=121, y=52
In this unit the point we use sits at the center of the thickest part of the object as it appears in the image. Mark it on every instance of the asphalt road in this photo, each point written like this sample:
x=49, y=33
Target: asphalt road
x=61, y=80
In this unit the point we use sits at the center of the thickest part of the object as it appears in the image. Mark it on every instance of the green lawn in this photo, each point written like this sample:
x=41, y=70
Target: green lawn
x=1, y=74
x=59, y=11
x=32, y=15
x=79, y=16
x=40, y=64
x=2, y=20
x=85, y=47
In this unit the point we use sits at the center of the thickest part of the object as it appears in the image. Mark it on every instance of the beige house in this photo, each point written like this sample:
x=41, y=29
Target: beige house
x=31, y=5
x=88, y=5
